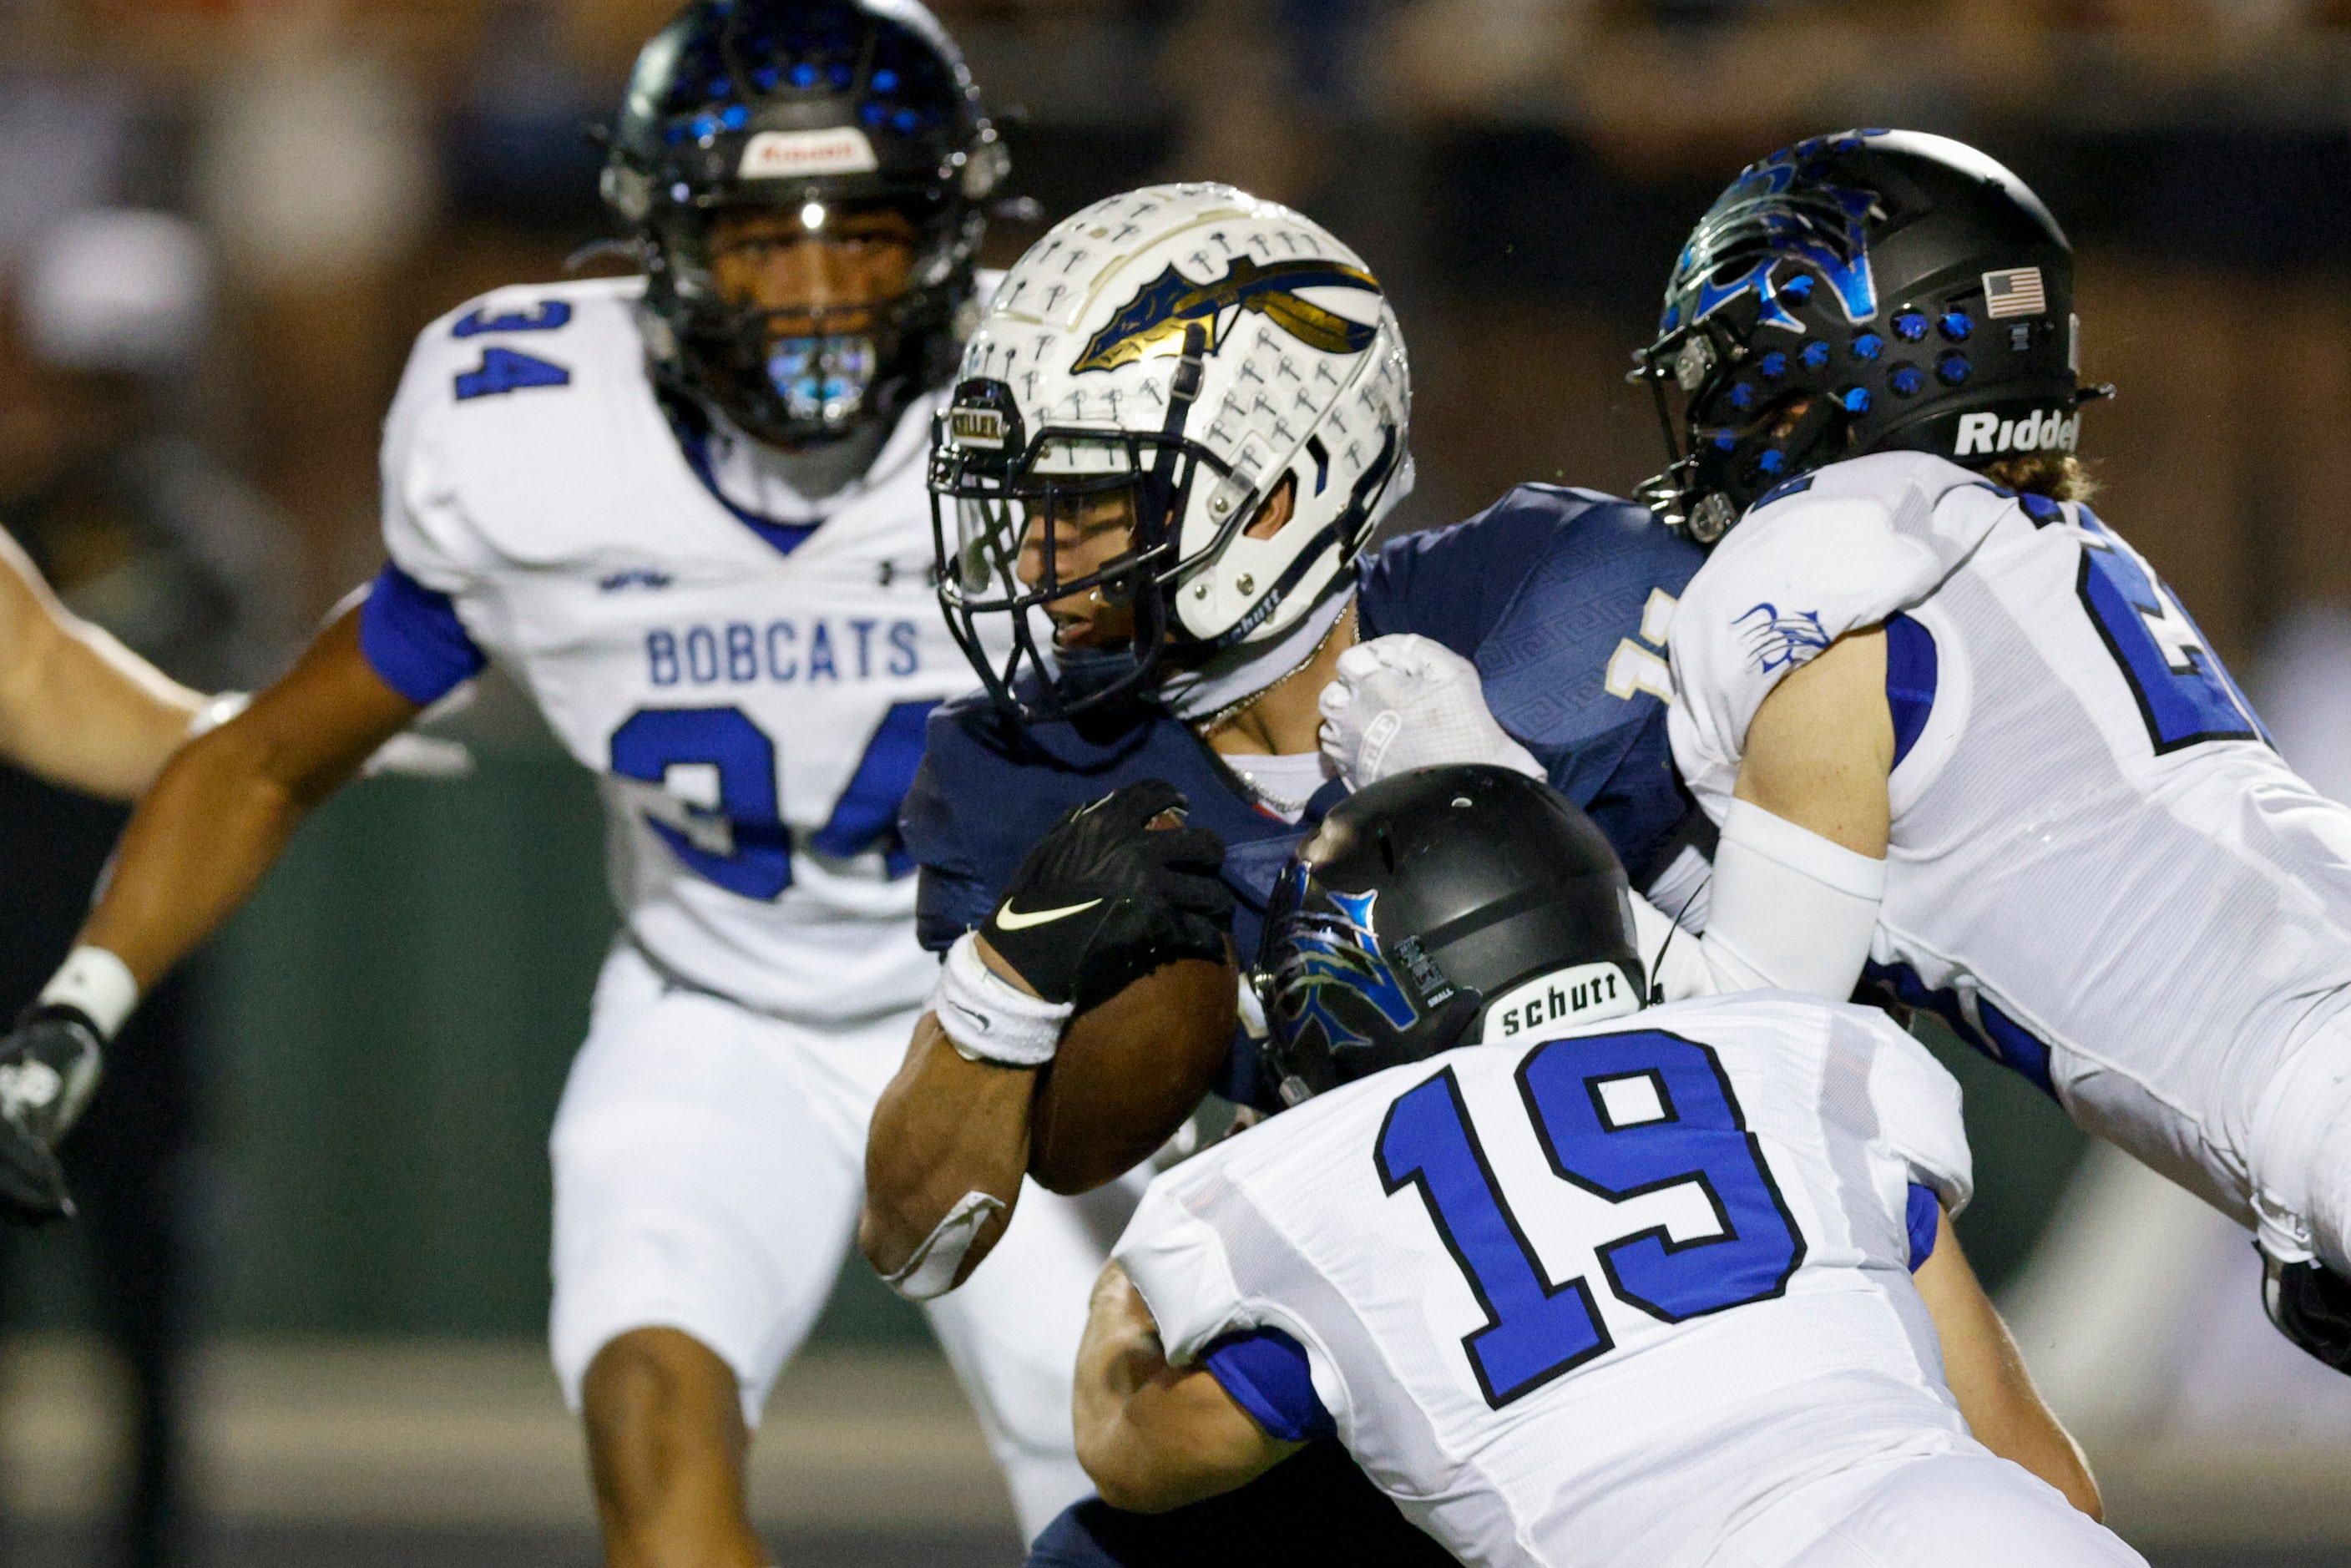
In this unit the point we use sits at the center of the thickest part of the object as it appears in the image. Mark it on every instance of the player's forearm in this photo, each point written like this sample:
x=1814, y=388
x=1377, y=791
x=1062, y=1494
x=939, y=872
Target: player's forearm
x=225, y=805
x=2007, y=1415
x=1988, y=1377
x=1150, y=1436
x=945, y=1129
x=81, y=710
x=198, y=844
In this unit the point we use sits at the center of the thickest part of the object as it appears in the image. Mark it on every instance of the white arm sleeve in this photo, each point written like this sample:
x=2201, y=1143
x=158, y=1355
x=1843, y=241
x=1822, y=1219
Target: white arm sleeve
x=1791, y=910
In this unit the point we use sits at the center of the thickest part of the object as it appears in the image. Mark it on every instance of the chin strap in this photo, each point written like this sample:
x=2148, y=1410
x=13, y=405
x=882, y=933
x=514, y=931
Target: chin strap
x=1236, y=674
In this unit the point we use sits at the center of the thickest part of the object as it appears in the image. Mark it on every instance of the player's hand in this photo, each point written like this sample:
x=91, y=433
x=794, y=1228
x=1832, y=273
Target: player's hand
x=48, y=1069
x=1105, y=898
x=1403, y=702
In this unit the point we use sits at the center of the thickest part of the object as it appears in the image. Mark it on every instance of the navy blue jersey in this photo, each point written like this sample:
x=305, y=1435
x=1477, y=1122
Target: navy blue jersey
x=1542, y=590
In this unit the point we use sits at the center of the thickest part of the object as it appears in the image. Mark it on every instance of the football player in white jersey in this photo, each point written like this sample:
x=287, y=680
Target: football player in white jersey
x=687, y=512
x=1669, y=1288
x=1960, y=739
x=1961, y=742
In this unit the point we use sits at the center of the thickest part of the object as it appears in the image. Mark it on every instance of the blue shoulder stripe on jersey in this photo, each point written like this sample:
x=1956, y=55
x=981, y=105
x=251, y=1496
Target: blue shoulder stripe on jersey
x=1909, y=681
x=2002, y=1038
x=1919, y=1216
x=1267, y=1373
x=412, y=637
x=2020, y=1048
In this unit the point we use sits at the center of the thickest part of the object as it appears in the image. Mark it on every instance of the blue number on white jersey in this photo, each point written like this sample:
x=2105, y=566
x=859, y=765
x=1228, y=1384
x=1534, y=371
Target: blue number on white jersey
x=2183, y=692
x=733, y=832
x=1534, y=1331
x=504, y=369
x=544, y=317
x=1618, y=1115
x=1623, y=1114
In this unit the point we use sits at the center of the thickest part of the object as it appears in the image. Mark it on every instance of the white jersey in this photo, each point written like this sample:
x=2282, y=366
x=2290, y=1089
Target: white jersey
x=755, y=714
x=2098, y=869
x=1603, y=1299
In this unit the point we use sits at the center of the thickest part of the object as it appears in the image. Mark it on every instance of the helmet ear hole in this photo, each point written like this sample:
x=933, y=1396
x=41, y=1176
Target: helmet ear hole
x=1276, y=510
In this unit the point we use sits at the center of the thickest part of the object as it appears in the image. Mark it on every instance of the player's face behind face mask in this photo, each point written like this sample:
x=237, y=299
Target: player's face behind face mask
x=1069, y=537
x=818, y=277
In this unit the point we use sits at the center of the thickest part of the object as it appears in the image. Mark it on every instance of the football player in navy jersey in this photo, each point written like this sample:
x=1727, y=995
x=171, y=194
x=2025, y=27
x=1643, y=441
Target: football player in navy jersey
x=1182, y=416
x=686, y=511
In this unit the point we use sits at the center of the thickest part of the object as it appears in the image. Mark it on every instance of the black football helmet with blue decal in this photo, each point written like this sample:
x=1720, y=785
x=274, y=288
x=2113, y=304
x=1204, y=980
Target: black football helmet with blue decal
x=1867, y=291
x=1438, y=907
x=818, y=108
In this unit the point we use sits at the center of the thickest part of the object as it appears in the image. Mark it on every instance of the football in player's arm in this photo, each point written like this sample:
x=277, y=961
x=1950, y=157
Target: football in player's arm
x=1201, y=565
x=1380, y=1260
x=686, y=511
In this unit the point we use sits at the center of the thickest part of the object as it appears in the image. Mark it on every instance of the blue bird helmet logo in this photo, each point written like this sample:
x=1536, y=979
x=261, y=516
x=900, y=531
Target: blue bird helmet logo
x=1335, y=954
x=1783, y=207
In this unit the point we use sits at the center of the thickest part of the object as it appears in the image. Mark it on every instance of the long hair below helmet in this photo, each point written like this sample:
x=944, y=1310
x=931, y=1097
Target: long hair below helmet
x=1441, y=906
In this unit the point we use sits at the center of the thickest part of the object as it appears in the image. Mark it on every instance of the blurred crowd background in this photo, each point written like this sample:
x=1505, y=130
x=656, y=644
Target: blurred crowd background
x=222, y=221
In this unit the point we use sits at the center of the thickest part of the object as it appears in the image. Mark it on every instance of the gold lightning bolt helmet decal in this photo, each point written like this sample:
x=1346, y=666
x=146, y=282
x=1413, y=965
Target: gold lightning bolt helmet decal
x=1153, y=322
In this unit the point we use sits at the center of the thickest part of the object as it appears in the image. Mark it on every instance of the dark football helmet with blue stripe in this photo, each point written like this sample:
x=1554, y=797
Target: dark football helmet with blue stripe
x=1422, y=907
x=1861, y=292
x=819, y=108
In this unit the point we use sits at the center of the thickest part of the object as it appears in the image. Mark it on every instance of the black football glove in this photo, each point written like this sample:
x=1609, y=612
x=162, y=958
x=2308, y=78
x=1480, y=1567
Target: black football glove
x=1103, y=899
x=2311, y=1305
x=48, y=1070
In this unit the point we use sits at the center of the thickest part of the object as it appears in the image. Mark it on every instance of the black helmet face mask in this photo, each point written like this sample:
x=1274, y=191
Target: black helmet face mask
x=796, y=318
x=1863, y=292
x=838, y=129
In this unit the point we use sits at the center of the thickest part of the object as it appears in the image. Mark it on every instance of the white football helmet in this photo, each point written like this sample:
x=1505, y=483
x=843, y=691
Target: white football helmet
x=1197, y=346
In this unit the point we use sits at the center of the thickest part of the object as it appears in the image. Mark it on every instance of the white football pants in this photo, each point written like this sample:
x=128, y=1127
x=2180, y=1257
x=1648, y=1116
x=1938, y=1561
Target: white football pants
x=709, y=1167
x=1943, y=1510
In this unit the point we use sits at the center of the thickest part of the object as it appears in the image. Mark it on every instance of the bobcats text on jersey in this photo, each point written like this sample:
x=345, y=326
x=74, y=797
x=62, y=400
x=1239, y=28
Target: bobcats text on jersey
x=751, y=693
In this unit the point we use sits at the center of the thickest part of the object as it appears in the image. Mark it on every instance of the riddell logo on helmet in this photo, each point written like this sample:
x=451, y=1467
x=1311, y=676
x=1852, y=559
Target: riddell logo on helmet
x=777, y=154
x=1981, y=434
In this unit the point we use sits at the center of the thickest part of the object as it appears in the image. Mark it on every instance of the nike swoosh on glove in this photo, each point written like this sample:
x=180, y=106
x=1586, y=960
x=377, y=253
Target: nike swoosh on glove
x=1105, y=898
x=1404, y=701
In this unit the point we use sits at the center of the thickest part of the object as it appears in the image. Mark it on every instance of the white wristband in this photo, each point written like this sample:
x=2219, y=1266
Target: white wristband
x=219, y=712
x=988, y=1019
x=99, y=983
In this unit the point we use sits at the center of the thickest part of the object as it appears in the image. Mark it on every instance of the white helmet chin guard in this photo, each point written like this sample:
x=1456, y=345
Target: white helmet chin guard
x=1197, y=348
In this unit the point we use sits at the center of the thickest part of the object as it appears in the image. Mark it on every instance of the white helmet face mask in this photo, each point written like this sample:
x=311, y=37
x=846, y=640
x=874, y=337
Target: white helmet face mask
x=1194, y=346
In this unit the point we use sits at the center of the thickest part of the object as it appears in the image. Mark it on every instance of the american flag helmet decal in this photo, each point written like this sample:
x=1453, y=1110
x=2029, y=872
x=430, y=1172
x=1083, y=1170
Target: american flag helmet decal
x=2016, y=292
